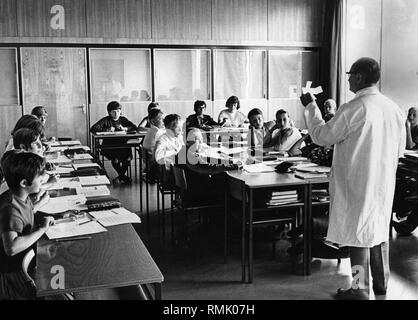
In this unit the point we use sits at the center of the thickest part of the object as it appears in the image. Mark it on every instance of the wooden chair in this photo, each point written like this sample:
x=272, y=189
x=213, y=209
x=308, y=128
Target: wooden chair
x=187, y=201
x=165, y=186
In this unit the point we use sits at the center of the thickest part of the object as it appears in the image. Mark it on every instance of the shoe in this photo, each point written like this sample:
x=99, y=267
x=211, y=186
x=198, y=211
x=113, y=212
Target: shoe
x=351, y=294
x=125, y=179
x=379, y=291
x=116, y=181
x=402, y=228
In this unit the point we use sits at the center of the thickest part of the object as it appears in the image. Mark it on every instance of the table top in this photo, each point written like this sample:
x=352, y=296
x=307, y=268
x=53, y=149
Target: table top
x=271, y=179
x=115, y=258
x=139, y=134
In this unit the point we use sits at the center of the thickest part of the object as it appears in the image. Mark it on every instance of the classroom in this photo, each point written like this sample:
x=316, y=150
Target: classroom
x=208, y=150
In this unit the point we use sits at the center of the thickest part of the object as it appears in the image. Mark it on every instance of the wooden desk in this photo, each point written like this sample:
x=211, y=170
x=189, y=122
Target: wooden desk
x=252, y=181
x=116, y=258
x=96, y=137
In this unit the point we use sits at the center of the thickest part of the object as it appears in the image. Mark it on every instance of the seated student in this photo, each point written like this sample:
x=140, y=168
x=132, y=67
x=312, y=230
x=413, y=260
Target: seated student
x=28, y=140
x=41, y=113
x=231, y=117
x=171, y=142
x=411, y=125
x=204, y=175
x=259, y=135
x=120, y=158
x=330, y=107
x=200, y=120
x=156, y=118
x=23, y=172
x=283, y=134
x=145, y=123
x=27, y=121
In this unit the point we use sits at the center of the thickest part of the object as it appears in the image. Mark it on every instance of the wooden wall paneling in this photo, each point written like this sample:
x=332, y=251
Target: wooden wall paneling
x=239, y=20
x=181, y=19
x=34, y=18
x=10, y=115
x=56, y=79
x=119, y=19
x=8, y=18
x=295, y=20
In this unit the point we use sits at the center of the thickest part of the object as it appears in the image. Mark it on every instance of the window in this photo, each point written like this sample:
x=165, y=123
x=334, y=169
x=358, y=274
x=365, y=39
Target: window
x=123, y=75
x=289, y=70
x=181, y=77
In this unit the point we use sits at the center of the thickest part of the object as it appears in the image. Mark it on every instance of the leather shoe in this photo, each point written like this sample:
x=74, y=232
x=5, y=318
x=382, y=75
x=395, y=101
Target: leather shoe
x=351, y=294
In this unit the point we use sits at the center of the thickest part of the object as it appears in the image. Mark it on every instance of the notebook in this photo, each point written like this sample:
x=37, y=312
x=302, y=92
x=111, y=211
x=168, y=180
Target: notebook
x=310, y=175
x=93, y=180
x=115, y=216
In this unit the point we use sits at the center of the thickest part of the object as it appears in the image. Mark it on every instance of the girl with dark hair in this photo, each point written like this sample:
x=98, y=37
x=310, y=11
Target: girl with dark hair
x=231, y=117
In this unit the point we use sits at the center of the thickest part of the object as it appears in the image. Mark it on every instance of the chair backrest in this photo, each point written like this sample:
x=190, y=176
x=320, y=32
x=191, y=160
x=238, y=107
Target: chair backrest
x=180, y=178
x=27, y=259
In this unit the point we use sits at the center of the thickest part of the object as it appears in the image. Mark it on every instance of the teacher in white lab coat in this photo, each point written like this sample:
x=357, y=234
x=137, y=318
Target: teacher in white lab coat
x=369, y=137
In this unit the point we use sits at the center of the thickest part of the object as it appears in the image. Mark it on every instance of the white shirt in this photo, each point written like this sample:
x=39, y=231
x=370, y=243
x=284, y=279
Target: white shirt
x=232, y=119
x=167, y=147
x=150, y=140
x=286, y=143
x=369, y=137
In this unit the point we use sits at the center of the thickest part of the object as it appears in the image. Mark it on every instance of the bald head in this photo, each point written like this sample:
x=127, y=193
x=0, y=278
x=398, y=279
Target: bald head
x=368, y=68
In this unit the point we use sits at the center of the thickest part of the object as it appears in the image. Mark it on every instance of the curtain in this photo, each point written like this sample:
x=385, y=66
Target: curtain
x=332, y=76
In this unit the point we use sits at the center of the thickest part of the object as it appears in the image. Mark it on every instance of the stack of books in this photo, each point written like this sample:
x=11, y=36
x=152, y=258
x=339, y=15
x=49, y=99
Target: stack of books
x=320, y=195
x=282, y=197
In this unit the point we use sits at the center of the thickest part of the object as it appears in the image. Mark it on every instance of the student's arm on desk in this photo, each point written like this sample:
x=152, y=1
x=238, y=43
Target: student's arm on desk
x=14, y=244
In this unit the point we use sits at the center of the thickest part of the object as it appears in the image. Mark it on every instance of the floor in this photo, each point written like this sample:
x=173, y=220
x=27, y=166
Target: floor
x=198, y=271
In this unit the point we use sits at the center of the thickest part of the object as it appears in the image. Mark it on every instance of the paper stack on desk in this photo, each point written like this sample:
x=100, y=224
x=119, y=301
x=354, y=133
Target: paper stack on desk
x=60, y=159
x=85, y=165
x=94, y=191
x=93, y=180
x=61, y=204
x=75, y=228
x=62, y=183
x=115, y=216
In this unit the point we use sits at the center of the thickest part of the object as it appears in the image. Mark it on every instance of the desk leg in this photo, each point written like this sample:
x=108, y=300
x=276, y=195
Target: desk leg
x=307, y=230
x=250, y=236
x=140, y=180
x=226, y=227
x=243, y=237
x=158, y=291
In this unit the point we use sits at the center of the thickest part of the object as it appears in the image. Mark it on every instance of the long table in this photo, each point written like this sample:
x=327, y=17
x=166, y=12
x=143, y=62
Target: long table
x=111, y=259
x=247, y=183
x=116, y=258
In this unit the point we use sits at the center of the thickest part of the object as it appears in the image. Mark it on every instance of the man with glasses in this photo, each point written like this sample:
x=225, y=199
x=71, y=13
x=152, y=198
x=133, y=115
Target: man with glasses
x=369, y=137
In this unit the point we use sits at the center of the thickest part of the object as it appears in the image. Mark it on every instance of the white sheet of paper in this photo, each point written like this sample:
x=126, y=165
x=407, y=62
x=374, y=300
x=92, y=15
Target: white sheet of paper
x=317, y=169
x=62, y=170
x=93, y=180
x=114, y=217
x=82, y=156
x=72, y=183
x=74, y=229
x=78, y=147
x=61, y=159
x=85, y=165
x=258, y=168
x=71, y=143
x=61, y=204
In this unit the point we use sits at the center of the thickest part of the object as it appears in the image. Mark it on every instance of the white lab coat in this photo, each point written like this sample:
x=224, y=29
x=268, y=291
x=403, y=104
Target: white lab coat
x=369, y=137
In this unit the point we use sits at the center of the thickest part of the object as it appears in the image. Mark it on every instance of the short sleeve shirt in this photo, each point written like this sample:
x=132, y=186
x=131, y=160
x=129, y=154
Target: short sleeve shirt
x=15, y=215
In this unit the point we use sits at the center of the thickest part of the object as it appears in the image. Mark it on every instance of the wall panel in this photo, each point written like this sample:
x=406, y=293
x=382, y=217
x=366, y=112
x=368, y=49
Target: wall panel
x=34, y=18
x=181, y=19
x=239, y=20
x=119, y=19
x=295, y=20
x=8, y=24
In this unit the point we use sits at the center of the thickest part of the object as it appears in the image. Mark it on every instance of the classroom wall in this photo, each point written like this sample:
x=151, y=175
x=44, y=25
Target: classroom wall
x=214, y=22
x=205, y=23
x=386, y=31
